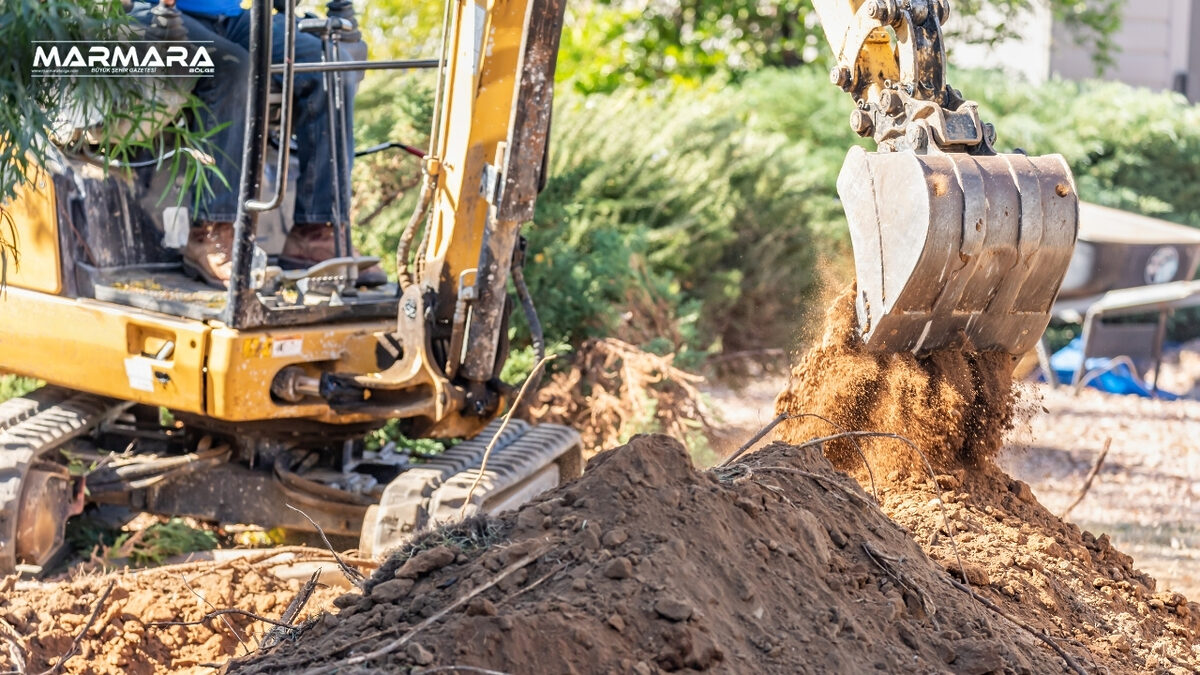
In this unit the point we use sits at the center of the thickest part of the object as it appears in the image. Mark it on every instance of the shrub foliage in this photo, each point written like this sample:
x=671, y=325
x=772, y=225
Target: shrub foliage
x=695, y=220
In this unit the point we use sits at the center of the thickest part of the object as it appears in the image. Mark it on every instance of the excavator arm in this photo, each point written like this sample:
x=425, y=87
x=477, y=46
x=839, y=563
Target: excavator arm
x=482, y=174
x=954, y=244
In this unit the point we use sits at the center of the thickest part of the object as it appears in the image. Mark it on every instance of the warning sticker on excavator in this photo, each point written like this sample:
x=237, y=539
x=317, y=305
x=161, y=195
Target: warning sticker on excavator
x=287, y=346
x=139, y=373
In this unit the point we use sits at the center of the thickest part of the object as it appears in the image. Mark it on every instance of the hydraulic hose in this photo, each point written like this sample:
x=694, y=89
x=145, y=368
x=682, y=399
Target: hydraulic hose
x=404, y=275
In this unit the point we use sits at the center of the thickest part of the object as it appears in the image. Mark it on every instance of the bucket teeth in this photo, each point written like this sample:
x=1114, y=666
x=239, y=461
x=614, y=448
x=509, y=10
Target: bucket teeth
x=955, y=247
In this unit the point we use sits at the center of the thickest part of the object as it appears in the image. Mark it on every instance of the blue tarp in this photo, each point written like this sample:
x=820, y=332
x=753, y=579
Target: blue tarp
x=1116, y=379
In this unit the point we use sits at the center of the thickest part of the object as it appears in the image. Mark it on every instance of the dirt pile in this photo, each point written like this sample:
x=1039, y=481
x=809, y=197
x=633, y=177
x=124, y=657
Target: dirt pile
x=1048, y=573
x=955, y=405
x=39, y=621
x=777, y=564
x=780, y=562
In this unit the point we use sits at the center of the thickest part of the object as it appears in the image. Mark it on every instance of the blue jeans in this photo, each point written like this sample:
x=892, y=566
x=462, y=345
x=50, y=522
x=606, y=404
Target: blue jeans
x=225, y=97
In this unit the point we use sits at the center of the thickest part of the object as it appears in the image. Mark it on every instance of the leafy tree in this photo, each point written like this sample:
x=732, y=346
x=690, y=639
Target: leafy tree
x=613, y=43
x=402, y=29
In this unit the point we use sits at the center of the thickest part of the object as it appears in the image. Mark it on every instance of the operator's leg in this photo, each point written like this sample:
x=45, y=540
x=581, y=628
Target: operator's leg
x=311, y=239
x=209, y=252
x=210, y=243
x=224, y=98
x=315, y=184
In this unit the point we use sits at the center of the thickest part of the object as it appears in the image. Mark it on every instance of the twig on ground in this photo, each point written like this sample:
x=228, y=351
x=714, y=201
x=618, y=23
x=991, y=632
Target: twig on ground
x=779, y=419
x=216, y=613
x=779, y=492
x=355, y=577
x=1071, y=662
x=1087, y=482
x=16, y=651
x=279, y=633
x=537, y=582
x=257, y=558
x=533, y=377
x=221, y=613
x=889, y=565
x=433, y=618
x=783, y=417
x=823, y=480
x=459, y=669
x=62, y=661
x=297, y=604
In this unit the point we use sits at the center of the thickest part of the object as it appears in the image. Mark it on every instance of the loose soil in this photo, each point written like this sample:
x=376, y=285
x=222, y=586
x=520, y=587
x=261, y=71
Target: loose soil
x=1146, y=495
x=954, y=404
x=646, y=564
x=779, y=563
x=39, y=621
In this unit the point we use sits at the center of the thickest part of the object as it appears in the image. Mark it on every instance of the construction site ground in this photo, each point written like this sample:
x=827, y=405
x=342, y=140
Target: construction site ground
x=788, y=560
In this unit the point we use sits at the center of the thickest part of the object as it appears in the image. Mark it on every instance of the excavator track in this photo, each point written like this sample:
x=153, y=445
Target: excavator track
x=30, y=427
x=14, y=410
x=525, y=460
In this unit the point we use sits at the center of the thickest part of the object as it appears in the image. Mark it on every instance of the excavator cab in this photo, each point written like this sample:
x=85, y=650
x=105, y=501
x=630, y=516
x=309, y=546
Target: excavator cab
x=955, y=245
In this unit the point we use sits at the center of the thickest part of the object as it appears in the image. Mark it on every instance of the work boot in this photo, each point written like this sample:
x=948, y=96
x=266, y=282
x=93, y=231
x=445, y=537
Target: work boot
x=209, y=253
x=310, y=243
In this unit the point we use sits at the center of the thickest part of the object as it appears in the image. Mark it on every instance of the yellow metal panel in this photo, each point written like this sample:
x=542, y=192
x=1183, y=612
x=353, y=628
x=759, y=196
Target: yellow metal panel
x=478, y=102
x=103, y=348
x=242, y=364
x=35, y=225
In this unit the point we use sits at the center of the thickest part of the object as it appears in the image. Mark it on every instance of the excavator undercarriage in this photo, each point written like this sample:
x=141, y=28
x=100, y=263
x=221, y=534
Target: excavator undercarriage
x=168, y=396
x=60, y=449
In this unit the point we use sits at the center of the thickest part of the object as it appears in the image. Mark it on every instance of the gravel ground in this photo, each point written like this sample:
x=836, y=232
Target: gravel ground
x=1146, y=496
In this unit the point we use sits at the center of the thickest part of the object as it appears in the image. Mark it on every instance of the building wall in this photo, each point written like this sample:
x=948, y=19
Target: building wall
x=1027, y=56
x=1153, y=41
x=1158, y=47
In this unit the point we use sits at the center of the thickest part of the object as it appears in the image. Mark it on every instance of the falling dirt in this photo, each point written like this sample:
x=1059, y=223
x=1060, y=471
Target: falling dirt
x=954, y=405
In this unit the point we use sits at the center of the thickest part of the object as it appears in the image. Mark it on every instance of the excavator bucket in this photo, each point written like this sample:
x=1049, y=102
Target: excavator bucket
x=953, y=247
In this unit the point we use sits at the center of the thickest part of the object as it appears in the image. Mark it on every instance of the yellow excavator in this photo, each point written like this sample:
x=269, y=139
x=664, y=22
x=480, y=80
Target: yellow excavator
x=273, y=383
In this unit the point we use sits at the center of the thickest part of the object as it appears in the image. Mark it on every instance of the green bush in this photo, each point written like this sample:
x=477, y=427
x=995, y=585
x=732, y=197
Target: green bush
x=12, y=386
x=718, y=200
x=693, y=219
x=1130, y=148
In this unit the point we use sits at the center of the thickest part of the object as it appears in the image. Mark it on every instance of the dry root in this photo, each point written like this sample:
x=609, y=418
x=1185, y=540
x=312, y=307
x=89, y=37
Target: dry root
x=614, y=390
